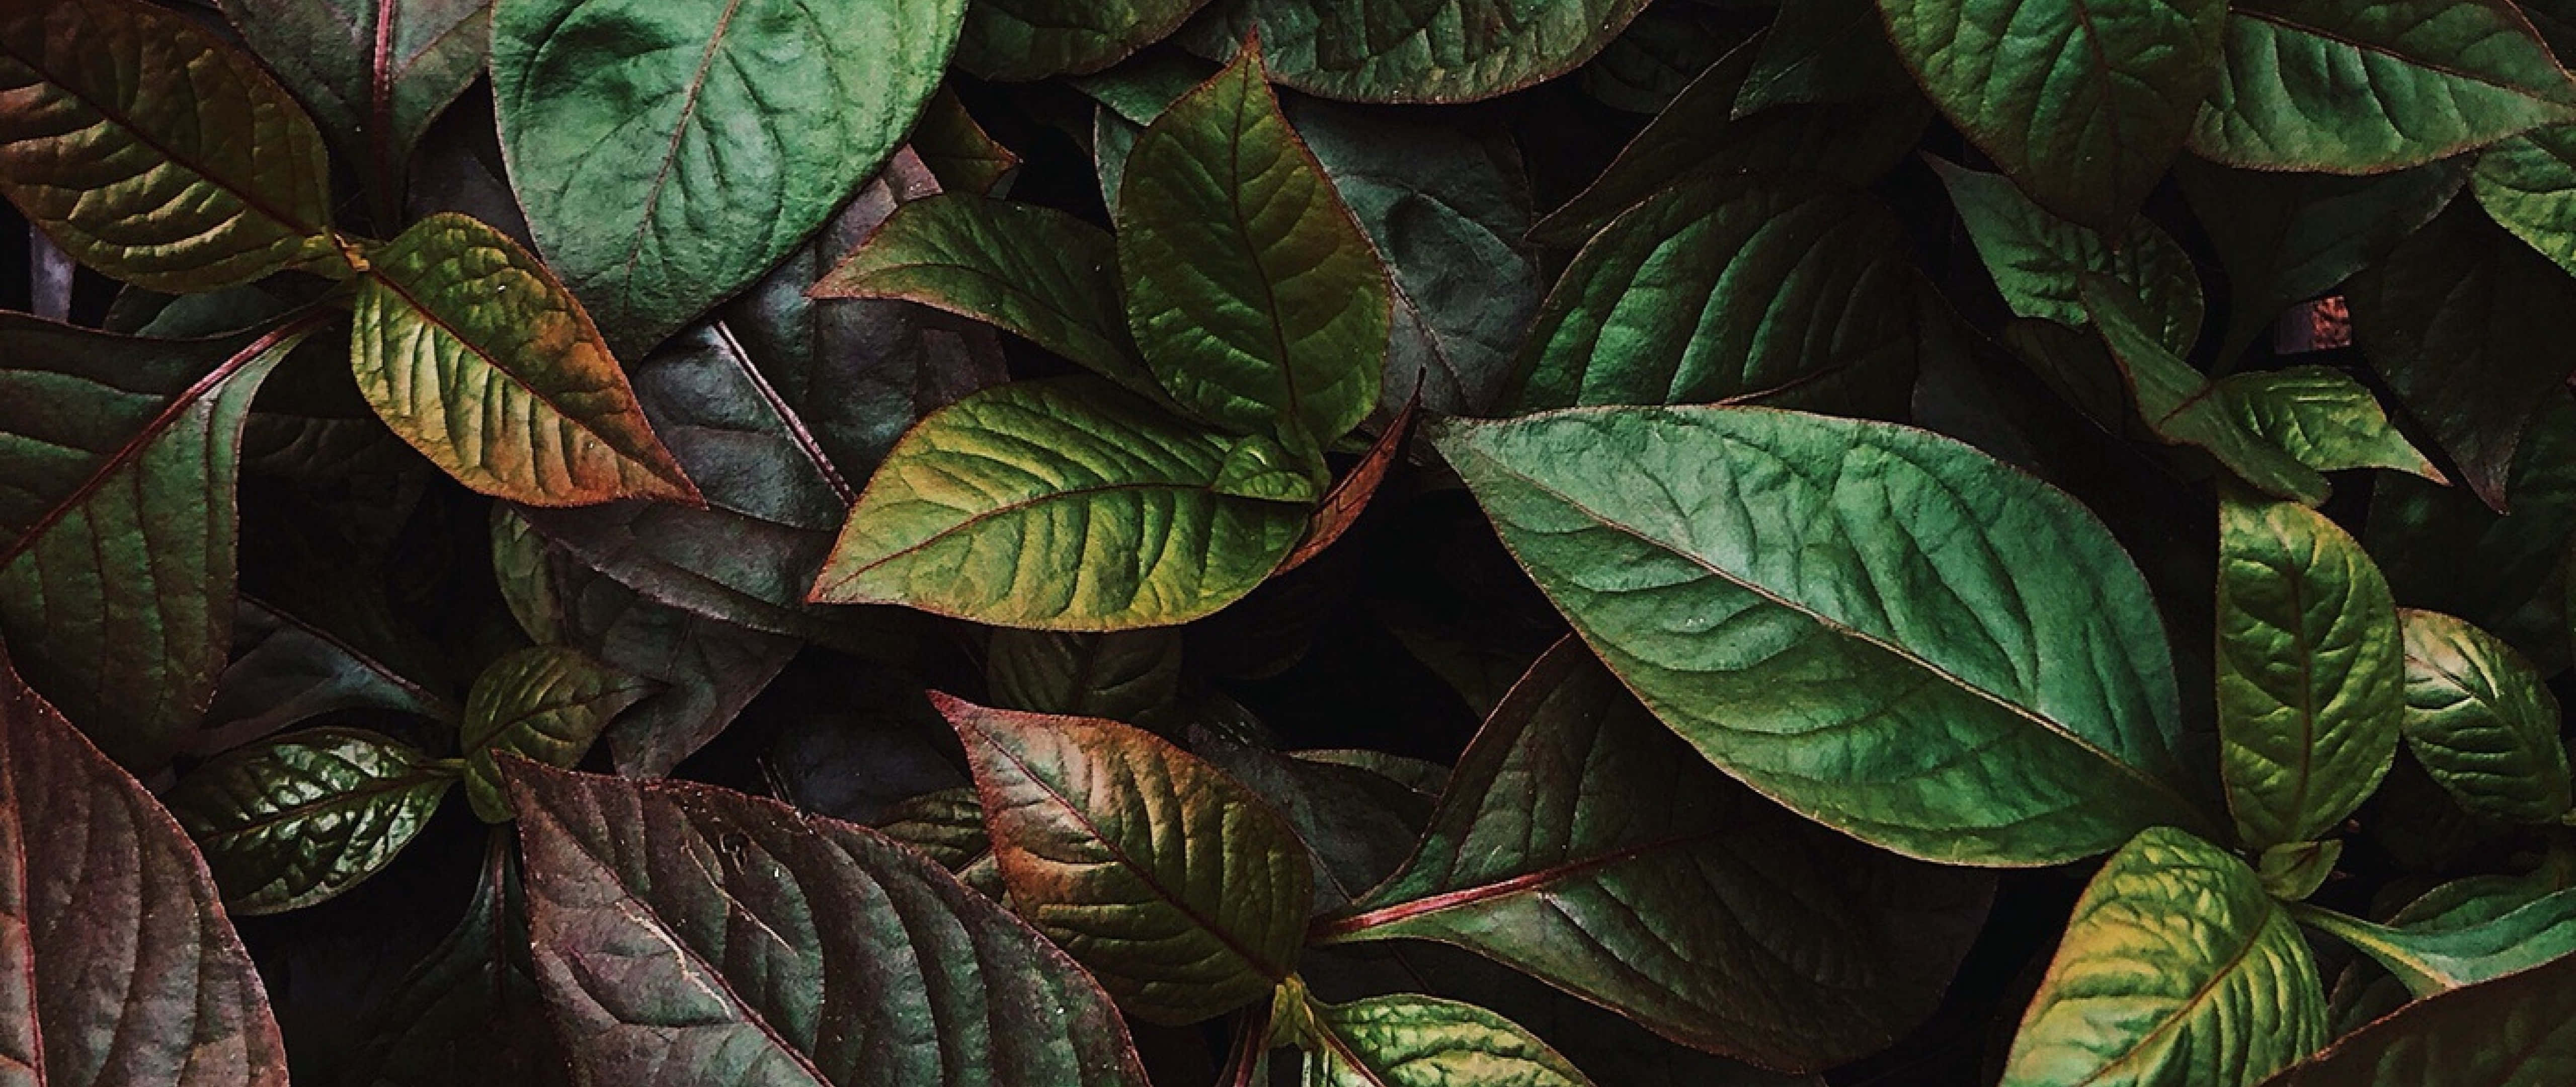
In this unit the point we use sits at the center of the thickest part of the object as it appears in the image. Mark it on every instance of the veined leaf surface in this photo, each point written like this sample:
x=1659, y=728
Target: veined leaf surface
x=2482, y=722
x=1034, y=39
x=1421, y=1041
x=377, y=72
x=2515, y=1031
x=296, y=820
x=1407, y=51
x=2039, y=261
x=2430, y=959
x=544, y=703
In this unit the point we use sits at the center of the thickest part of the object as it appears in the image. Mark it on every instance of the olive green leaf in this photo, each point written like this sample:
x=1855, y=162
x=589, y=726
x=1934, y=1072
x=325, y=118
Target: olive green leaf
x=2528, y=185
x=1254, y=295
x=2083, y=102
x=2514, y=1031
x=1868, y=623
x=946, y=826
x=670, y=153
x=982, y=509
x=2438, y=77
x=2480, y=719
x=686, y=935
x=544, y=703
x=1123, y=675
x=2429, y=959
x=296, y=820
x=2287, y=237
x=1407, y=51
x=1420, y=1041
x=2181, y=406
x=1789, y=290
x=2038, y=260
x=151, y=150
x=958, y=151
x=1034, y=39
x=469, y=349
x=375, y=72
x=118, y=520
x=2176, y=968
x=1182, y=891
x=1581, y=842
x=2322, y=417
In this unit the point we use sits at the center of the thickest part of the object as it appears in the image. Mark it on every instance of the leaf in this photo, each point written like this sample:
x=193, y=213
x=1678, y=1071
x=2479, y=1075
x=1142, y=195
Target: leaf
x=2176, y=968
x=2528, y=185
x=1253, y=294
x=376, y=72
x=1407, y=51
x=2311, y=671
x=286, y=671
x=2515, y=1031
x=1823, y=51
x=2284, y=238
x=149, y=149
x=689, y=935
x=1070, y=469
x=946, y=826
x=1034, y=39
x=2322, y=417
x=2441, y=76
x=668, y=155
x=709, y=669
x=117, y=524
x=1420, y=1041
x=1659, y=53
x=1736, y=568
x=469, y=349
x=2430, y=961
x=2482, y=722
x=2445, y=550
x=1788, y=290
x=1356, y=823
x=2181, y=406
x=1123, y=676
x=1342, y=506
x=102, y=885
x=958, y=150
x=469, y=1012
x=1581, y=843
x=543, y=703
x=1176, y=886
x=299, y=819
x=2083, y=103
x=2039, y=261
x=2293, y=872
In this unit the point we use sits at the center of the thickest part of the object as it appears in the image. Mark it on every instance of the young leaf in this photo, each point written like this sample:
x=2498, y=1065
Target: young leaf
x=2433, y=959
x=2322, y=417
x=2084, y=103
x=117, y=525
x=1400, y=51
x=2528, y=185
x=2480, y=719
x=1253, y=294
x=101, y=890
x=2181, y=406
x=2039, y=261
x=2284, y=238
x=469, y=1012
x=1421, y=1041
x=2515, y=1031
x=687, y=935
x=153, y=151
x=1071, y=469
x=669, y=154
x=297, y=820
x=377, y=72
x=1733, y=566
x=2176, y=968
x=2442, y=76
x=1178, y=887
x=1034, y=39
x=469, y=349
x=543, y=703
x=1582, y=843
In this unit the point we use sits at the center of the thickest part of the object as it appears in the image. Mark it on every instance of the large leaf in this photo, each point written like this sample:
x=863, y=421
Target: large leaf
x=2039, y=261
x=118, y=520
x=1176, y=885
x=1882, y=629
x=2440, y=76
x=101, y=889
x=151, y=150
x=1034, y=39
x=2480, y=719
x=669, y=153
x=544, y=703
x=2515, y=1031
x=469, y=349
x=979, y=511
x=1410, y=51
x=299, y=819
x=1253, y=294
x=1581, y=842
x=2288, y=237
x=469, y=1012
x=375, y=72
x=690, y=936
x=2429, y=959
x=1420, y=1041
x=2176, y=968
x=2181, y=406
x=2083, y=102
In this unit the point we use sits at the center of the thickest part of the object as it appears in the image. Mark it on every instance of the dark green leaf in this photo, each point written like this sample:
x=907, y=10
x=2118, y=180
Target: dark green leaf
x=469, y=1012
x=1411, y=51
x=1123, y=676
x=376, y=72
x=2293, y=872
x=2482, y=722
x=544, y=703
x=2444, y=550
x=286, y=671
x=709, y=668
x=946, y=826
x=1823, y=51
x=2039, y=260
x=958, y=150
x=2285, y=238
x=2515, y=1031
x=1666, y=47
x=297, y=820
x=1034, y=39
x=2180, y=405
x=1358, y=824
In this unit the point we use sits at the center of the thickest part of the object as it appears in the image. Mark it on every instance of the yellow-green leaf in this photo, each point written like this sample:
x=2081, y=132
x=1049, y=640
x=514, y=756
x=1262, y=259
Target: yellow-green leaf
x=544, y=703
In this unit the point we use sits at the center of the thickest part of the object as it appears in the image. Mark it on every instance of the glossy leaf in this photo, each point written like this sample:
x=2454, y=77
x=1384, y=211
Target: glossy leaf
x=151, y=150
x=375, y=72
x=2431, y=960
x=2528, y=185
x=2516, y=1031
x=469, y=349
x=2285, y=238
x=469, y=1012
x=2321, y=417
x=2442, y=76
x=688, y=935
x=669, y=154
x=299, y=819
x=2176, y=968
x=1123, y=676
x=1730, y=564
x=2039, y=261
x=2181, y=406
x=2482, y=722
x=1178, y=887
x=1034, y=39
x=1420, y=1041
x=1402, y=51
x=544, y=703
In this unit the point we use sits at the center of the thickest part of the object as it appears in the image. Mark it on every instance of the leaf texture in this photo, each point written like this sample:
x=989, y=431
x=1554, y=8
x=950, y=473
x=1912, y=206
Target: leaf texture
x=544, y=703
x=2039, y=261
x=297, y=820
x=1123, y=676
x=375, y=72
x=1421, y=1041
x=2183, y=407
x=2528, y=185
x=2433, y=958
x=2321, y=417
x=1034, y=39
x=2482, y=722
x=2516, y=1031
x=1409, y=51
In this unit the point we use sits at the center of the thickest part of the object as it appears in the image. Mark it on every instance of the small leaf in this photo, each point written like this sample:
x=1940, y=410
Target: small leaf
x=1421, y=1041
x=1178, y=887
x=1260, y=467
x=2180, y=405
x=2435, y=958
x=956, y=149
x=296, y=820
x=1403, y=51
x=2176, y=968
x=376, y=71
x=2515, y=1031
x=2039, y=261
x=2322, y=417
x=1034, y=39
x=2294, y=871
x=543, y=703
x=2482, y=722
x=2285, y=238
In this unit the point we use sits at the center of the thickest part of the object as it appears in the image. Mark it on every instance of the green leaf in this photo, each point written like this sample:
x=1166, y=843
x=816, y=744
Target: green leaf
x=709, y=669
x=469, y=1012
x=1123, y=676
x=469, y=349
x=2439, y=77
x=946, y=826
x=669, y=154
x=2285, y=238
x=2181, y=406
x=957, y=150
x=1409, y=51
x=149, y=149
x=2528, y=185
x=2009, y=699
x=1788, y=290
x=543, y=703
x=2293, y=872
x=2176, y=968
x=2322, y=417
x=2039, y=261
x=1175, y=885
x=1070, y=469
x=118, y=521
x=375, y=72
x=1255, y=297
x=687, y=935
x=1421, y=1041
x=2480, y=719
x=2515, y=1031
x=2083, y=102
x=124, y=969
x=1034, y=39
x=2441, y=957
x=296, y=820
x=1582, y=843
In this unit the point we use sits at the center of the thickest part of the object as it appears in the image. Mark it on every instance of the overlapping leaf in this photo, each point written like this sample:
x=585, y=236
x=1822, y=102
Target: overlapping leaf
x=2480, y=719
x=545, y=704
x=2451, y=953
x=2515, y=1031
x=1409, y=51
x=1420, y=1041
x=1123, y=676
x=2528, y=185
x=1033, y=39
x=2286, y=237
x=469, y=1012
x=2321, y=417
x=296, y=820
x=375, y=72
x=2039, y=261
x=2183, y=407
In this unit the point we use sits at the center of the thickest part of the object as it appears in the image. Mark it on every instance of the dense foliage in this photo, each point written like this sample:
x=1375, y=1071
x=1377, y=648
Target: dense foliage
x=1370, y=543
